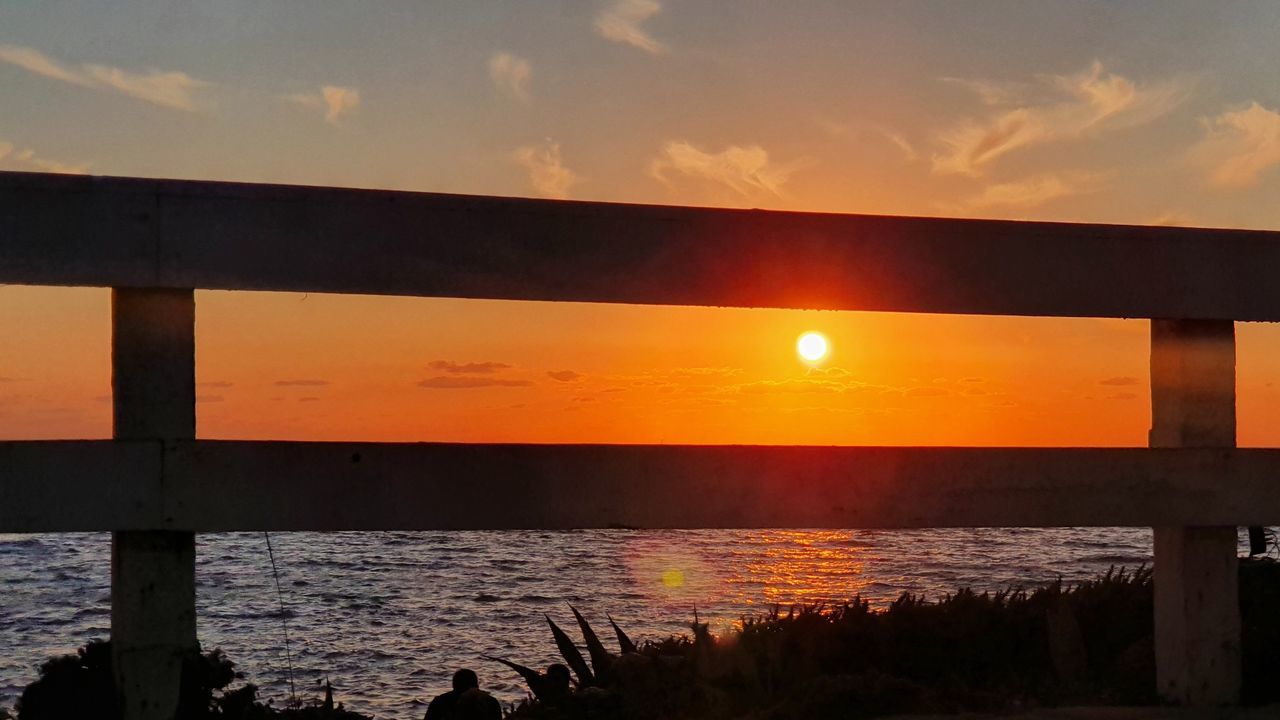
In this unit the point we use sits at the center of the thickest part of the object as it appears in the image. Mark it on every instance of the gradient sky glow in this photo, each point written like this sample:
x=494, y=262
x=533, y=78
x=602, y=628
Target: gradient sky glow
x=1133, y=112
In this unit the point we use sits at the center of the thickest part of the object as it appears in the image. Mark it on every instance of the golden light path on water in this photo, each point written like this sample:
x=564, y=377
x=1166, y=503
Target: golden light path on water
x=782, y=567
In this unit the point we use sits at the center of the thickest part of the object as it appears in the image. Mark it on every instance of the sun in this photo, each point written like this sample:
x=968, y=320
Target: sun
x=812, y=346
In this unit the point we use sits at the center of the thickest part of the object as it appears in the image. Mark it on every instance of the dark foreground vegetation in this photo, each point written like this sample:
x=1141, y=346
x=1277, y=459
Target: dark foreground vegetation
x=80, y=687
x=1089, y=644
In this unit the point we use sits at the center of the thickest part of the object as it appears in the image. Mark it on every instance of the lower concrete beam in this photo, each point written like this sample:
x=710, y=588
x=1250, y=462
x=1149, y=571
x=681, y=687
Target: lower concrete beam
x=216, y=486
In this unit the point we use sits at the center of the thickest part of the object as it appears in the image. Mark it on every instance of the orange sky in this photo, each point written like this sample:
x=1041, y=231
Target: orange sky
x=1056, y=110
x=290, y=366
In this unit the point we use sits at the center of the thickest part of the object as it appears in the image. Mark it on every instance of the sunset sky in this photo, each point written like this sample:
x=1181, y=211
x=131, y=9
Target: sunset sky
x=1134, y=112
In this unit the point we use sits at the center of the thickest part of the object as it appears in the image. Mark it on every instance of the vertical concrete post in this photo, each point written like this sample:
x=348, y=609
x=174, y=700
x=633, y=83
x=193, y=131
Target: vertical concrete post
x=153, y=615
x=1197, y=609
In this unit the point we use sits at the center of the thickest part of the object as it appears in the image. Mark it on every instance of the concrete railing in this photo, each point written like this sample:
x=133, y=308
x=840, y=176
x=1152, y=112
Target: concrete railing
x=156, y=241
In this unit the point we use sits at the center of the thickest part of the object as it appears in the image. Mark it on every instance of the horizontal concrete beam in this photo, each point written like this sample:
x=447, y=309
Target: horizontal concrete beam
x=70, y=485
x=74, y=230
x=209, y=485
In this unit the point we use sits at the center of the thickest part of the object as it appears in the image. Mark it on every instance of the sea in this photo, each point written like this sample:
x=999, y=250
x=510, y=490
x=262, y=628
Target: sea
x=386, y=617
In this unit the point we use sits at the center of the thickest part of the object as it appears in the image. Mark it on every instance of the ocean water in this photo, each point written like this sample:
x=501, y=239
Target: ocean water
x=388, y=616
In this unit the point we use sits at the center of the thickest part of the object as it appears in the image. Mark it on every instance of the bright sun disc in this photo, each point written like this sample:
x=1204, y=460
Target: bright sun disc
x=812, y=346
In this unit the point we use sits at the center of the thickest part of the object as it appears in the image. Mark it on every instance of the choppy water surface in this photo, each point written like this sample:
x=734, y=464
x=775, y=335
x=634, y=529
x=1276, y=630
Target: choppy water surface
x=388, y=616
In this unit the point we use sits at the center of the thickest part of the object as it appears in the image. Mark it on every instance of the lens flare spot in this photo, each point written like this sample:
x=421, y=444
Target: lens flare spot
x=812, y=346
x=673, y=577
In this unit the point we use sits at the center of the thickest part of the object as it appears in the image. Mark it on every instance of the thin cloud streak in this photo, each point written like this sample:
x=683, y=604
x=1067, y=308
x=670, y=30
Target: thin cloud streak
x=170, y=89
x=900, y=141
x=473, y=368
x=446, y=382
x=37, y=62
x=620, y=22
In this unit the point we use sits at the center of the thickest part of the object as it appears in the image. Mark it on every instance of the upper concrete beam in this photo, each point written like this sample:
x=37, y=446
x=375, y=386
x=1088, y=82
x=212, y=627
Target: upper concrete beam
x=218, y=486
x=74, y=230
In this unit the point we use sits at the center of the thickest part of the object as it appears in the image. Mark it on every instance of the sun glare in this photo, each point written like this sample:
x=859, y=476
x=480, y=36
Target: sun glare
x=812, y=346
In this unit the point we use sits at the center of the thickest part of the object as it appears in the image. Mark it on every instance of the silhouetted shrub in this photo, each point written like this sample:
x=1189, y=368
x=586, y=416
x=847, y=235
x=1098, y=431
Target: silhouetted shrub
x=82, y=687
x=1089, y=644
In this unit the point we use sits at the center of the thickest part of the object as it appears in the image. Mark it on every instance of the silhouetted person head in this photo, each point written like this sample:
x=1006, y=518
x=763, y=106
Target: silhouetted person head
x=465, y=679
x=558, y=677
x=555, y=683
x=446, y=705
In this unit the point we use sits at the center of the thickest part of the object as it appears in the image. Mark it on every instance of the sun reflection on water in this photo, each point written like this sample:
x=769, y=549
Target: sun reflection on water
x=773, y=567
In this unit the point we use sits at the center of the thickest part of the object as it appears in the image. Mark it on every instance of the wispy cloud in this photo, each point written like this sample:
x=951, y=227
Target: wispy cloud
x=14, y=159
x=993, y=92
x=37, y=62
x=746, y=170
x=471, y=368
x=1240, y=146
x=453, y=382
x=169, y=89
x=1119, y=381
x=547, y=173
x=165, y=88
x=1172, y=219
x=511, y=74
x=563, y=375
x=832, y=128
x=621, y=22
x=302, y=383
x=812, y=385
x=335, y=100
x=1032, y=192
x=1080, y=105
x=900, y=141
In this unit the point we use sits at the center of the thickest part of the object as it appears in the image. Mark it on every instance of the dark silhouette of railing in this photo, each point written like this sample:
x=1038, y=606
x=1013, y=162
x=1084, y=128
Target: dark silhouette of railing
x=156, y=241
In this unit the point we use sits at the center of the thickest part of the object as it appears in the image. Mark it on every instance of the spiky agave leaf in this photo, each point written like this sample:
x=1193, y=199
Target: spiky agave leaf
x=600, y=658
x=624, y=642
x=532, y=677
x=571, y=654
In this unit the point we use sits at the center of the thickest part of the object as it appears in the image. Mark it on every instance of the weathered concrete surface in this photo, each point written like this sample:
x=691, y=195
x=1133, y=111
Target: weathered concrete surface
x=66, y=230
x=1197, y=607
x=153, y=619
x=153, y=602
x=210, y=485
x=76, y=485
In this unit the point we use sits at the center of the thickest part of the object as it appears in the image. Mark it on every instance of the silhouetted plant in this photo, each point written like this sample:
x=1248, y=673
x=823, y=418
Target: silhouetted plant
x=81, y=686
x=1087, y=644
